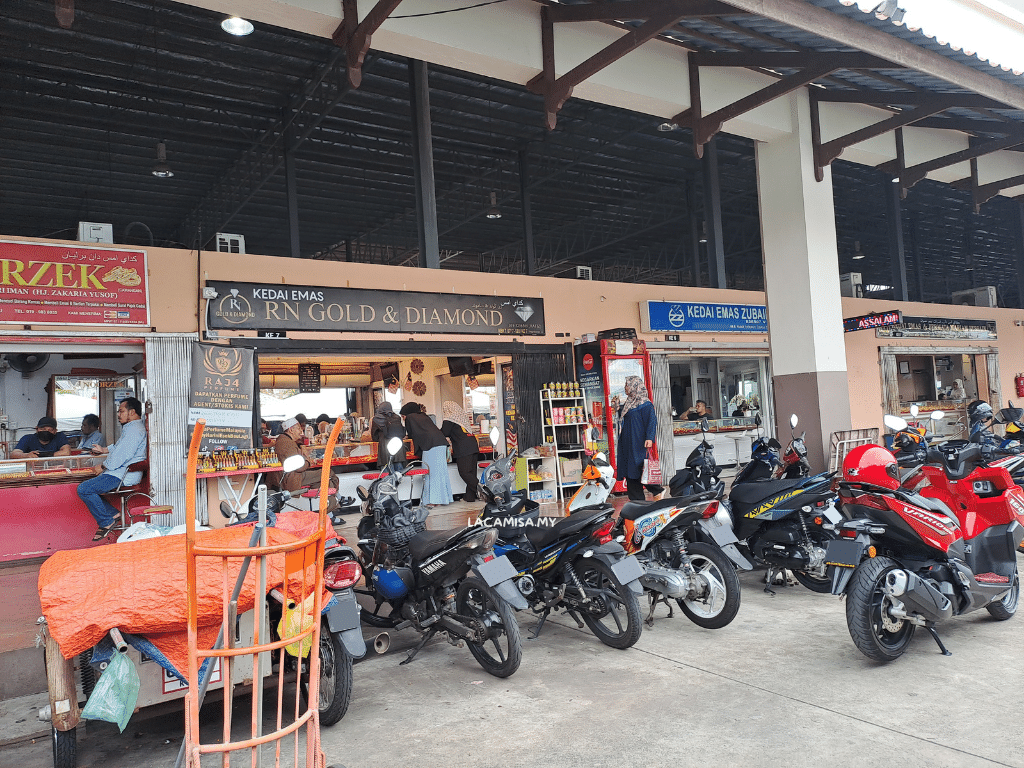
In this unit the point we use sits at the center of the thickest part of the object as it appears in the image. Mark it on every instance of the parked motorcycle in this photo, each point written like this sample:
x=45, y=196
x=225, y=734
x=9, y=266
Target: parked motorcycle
x=438, y=581
x=794, y=461
x=764, y=457
x=701, y=471
x=906, y=560
x=574, y=565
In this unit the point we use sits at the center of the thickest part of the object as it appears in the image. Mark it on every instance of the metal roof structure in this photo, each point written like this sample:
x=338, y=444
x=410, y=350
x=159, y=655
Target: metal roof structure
x=84, y=108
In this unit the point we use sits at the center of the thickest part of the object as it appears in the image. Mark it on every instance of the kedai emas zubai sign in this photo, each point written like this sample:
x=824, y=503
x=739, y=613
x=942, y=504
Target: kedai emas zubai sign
x=43, y=283
x=700, y=316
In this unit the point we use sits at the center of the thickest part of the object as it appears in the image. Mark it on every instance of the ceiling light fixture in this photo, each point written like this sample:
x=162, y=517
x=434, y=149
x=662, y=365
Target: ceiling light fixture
x=493, y=212
x=162, y=170
x=857, y=255
x=703, y=232
x=237, y=27
x=888, y=9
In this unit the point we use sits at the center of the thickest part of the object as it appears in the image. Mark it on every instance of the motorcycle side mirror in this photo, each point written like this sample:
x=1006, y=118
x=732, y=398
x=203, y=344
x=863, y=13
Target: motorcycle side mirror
x=895, y=423
x=494, y=435
x=293, y=463
x=914, y=410
x=793, y=421
x=394, y=445
x=938, y=415
x=705, y=425
x=757, y=420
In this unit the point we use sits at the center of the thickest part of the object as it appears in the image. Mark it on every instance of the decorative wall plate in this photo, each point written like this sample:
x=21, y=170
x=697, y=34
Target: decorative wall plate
x=419, y=389
x=416, y=366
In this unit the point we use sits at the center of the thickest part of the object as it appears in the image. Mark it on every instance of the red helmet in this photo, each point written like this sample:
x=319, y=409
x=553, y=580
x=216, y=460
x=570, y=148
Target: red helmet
x=871, y=465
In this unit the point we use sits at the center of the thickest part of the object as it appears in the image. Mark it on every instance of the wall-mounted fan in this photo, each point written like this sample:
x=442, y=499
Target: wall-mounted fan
x=25, y=364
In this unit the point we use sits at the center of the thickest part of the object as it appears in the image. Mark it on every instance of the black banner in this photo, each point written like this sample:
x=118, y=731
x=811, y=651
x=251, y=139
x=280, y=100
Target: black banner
x=272, y=307
x=309, y=377
x=940, y=328
x=221, y=391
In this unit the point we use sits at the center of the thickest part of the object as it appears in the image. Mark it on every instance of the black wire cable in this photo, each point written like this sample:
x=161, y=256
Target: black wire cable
x=450, y=10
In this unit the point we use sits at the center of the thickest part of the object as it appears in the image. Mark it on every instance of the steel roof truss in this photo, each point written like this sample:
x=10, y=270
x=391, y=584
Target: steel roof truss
x=915, y=173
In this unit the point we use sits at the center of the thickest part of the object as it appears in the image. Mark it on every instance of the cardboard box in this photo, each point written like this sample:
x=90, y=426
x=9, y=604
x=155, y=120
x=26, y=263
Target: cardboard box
x=572, y=470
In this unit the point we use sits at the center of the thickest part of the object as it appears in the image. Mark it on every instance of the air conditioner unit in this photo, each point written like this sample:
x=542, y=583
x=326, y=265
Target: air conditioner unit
x=851, y=284
x=228, y=243
x=91, y=232
x=584, y=273
x=985, y=296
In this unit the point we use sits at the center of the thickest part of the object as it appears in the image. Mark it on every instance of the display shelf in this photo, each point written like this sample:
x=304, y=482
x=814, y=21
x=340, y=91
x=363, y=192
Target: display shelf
x=565, y=419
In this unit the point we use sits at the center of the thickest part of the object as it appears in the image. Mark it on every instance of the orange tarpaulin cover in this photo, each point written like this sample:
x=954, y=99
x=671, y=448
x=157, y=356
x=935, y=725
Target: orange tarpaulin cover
x=139, y=587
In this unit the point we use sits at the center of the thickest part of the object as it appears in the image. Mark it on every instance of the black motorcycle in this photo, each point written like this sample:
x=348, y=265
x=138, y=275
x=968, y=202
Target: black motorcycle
x=437, y=581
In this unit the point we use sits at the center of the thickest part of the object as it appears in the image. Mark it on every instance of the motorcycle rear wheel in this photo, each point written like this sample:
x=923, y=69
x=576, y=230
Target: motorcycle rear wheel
x=866, y=613
x=335, y=677
x=478, y=600
x=615, y=600
x=822, y=585
x=722, y=603
x=1007, y=607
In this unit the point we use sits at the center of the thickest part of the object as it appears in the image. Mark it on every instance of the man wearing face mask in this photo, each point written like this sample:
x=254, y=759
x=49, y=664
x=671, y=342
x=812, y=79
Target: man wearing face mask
x=46, y=441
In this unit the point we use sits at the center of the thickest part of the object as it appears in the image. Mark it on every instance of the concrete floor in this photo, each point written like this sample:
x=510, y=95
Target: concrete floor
x=783, y=685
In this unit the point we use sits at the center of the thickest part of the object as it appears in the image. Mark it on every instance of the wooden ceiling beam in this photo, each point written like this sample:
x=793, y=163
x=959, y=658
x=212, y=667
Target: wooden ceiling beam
x=354, y=35
x=909, y=98
x=639, y=9
x=915, y=173
x=793, y=60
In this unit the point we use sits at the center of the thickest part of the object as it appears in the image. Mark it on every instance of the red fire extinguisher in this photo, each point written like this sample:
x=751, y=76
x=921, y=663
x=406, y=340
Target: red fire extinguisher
x=1019, y=383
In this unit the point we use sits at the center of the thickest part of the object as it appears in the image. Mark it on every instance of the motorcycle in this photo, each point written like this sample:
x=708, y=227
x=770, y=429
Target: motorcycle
x=700, y=474
x=764, y=457
x=450, y=582
x=905, y=560
x=575, y=564
x=794, y=461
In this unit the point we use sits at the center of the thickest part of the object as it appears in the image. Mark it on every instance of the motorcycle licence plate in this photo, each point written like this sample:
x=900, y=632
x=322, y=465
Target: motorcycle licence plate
x=627, y=569
x=844, y=554
x=496, y=571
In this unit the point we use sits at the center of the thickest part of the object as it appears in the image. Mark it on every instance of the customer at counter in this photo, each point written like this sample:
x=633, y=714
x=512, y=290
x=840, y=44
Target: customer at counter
x=45, y=441
x=113, y=472
x=287, y=445
x=465, y=448
x=91, y=434
x=432, y=446
x=385, y=425
x=697, y=411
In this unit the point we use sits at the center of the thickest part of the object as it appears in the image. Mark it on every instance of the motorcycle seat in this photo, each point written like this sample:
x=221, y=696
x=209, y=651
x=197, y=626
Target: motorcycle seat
x=631, y=510
x=541, y=536
x=426, y=543
x=750, y=494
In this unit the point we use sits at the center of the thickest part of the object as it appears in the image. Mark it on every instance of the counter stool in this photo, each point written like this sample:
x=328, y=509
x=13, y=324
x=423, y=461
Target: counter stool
x=123, y=494
x=314, y=493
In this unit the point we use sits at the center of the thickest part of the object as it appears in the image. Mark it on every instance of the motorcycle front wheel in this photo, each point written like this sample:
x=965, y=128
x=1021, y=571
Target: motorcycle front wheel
x=335, y=677
x=613, y=614
x=876, y=633
x=501, y=653
x=721, y=602
x=823, y=584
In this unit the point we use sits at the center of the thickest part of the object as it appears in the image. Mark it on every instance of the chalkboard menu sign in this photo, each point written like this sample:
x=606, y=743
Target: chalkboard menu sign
x=309, y=377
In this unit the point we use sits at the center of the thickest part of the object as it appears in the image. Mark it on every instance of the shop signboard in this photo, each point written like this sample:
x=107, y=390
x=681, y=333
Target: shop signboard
x=874, y=320
x=221, y=390
x=254, y=306
x=703, y=317
x=47, y=283
x=940, y=328
x=508, y=398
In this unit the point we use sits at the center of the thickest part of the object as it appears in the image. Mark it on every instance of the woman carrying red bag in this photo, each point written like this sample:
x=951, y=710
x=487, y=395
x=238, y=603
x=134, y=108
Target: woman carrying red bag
x=636, y=439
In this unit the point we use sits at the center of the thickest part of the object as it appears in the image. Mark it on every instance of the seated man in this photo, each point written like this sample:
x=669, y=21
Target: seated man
x=287, y=445
x=46, y=441
x=91, y=434
x=698, y=411
x=130, y=448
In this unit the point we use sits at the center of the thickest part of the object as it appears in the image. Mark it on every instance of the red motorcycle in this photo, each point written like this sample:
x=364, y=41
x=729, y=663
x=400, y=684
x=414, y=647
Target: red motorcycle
x=905, y=560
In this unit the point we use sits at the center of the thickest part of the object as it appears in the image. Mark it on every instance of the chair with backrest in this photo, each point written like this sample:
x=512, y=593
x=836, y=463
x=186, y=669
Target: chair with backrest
x=123, y=495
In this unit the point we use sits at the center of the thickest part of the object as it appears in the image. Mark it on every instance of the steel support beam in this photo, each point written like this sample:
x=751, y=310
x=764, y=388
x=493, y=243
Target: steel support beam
x=795, y=60
x=423, y=166
x=982, y=193
x=626, y=10
x=291, y=192
x=695, y=230
x=713, y=216
x=524, y=196
x=1018, y=241
x=915, y=173
x=897, y=257
x=909, y=98
x=354, y=35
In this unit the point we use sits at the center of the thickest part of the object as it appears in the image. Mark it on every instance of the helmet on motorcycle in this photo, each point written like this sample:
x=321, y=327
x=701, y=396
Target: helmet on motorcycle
x=871, y=465
x=979, y=410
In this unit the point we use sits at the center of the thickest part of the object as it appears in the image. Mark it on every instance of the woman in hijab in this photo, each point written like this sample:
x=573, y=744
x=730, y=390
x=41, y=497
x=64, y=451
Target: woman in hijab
x=465, y=449
x=958, y=392
x=639, y=425
x=431, y=445
x=385, y=425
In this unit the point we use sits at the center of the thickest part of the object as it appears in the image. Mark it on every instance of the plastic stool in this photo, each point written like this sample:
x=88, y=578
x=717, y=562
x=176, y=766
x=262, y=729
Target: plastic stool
x=314, y=493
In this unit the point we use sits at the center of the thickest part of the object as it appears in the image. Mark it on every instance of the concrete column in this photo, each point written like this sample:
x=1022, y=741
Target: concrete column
x=801, y=271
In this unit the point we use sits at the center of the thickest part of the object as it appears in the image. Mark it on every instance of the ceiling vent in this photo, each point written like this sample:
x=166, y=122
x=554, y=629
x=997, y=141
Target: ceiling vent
x=228, y=243
x=985, y=296
x=851, y=284
x=584, y=273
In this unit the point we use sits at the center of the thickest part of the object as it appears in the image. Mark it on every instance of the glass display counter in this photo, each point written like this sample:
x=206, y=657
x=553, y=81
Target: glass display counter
x=53, y=469
x=731, y=438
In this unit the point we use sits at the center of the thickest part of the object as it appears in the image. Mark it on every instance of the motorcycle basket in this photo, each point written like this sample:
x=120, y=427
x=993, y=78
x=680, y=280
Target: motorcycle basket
x=399, y=536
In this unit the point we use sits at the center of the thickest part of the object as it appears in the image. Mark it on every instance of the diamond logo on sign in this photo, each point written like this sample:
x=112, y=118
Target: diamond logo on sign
x=677, y=316
x=525, y=312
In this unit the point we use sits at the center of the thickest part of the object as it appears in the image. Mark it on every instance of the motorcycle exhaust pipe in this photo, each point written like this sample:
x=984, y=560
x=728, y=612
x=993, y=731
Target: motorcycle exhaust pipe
x=918, y=595
x=378, y=644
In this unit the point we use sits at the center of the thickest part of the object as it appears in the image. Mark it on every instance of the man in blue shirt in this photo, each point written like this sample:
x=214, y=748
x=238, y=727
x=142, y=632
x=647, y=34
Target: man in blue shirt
x=91, y=434
x=46, y=441
x=130, y=448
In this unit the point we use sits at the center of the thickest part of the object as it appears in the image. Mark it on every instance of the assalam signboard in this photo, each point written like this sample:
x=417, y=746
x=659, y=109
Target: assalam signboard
x=311, y=308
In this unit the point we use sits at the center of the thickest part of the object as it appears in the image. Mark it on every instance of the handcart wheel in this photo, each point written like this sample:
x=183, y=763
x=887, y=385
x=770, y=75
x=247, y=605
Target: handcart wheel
x=64, y=748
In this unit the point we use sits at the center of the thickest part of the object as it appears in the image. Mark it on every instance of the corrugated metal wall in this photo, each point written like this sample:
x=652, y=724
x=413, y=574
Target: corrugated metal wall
x=168, y=362
x=661, y=396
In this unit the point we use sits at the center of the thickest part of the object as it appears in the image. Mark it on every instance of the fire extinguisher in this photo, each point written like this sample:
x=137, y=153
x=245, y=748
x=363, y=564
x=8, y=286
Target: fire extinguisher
x=1019, y=383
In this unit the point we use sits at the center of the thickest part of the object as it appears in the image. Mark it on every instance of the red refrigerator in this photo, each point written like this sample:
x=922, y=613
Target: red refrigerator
x=602, y=367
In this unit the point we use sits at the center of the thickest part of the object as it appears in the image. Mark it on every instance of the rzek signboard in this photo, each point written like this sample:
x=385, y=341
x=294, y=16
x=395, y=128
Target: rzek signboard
x=699, y=316
x=253, y=306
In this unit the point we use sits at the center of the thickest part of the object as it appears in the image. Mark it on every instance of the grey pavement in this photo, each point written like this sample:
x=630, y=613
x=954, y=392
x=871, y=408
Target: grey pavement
x=783, y=685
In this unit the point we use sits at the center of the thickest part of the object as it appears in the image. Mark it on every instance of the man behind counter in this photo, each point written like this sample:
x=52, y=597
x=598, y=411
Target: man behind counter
x=697, y=411
x=46, y=441
x=287, y=444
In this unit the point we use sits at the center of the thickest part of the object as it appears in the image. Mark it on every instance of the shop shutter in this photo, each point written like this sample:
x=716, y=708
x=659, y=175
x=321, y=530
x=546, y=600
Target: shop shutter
x=168, y=362
x=531, y=371
x=661, y=396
